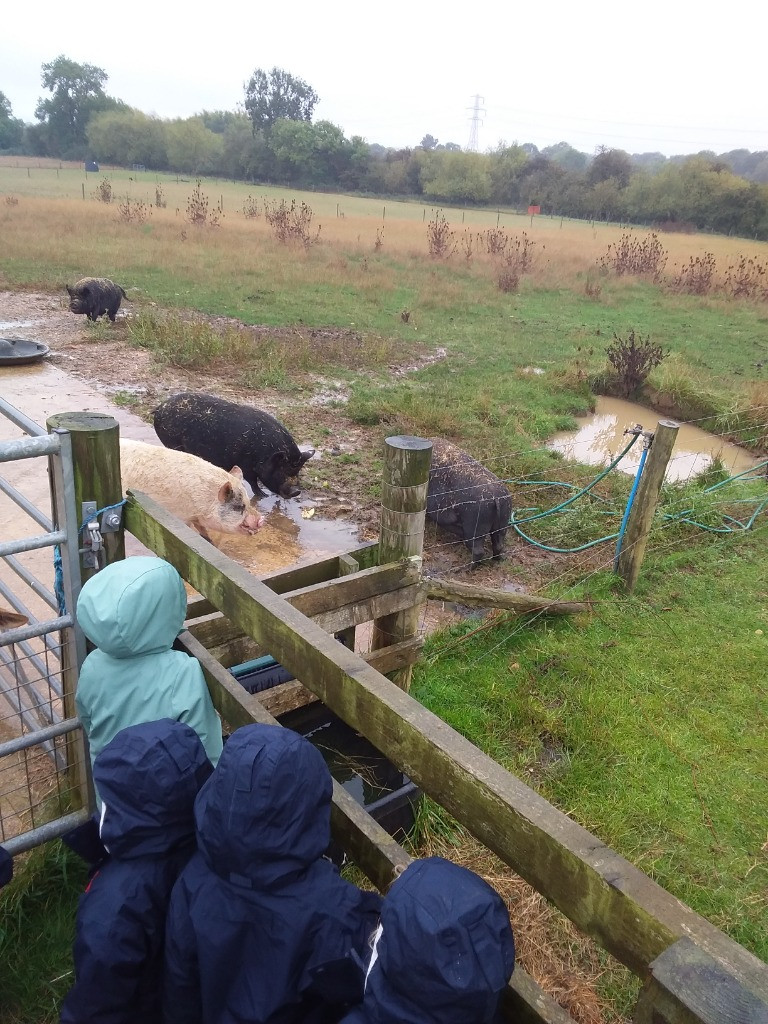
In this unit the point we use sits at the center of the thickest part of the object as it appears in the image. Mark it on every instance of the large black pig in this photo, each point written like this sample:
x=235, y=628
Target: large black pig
x=466, y=499
x=228, y=434
x=95, y=296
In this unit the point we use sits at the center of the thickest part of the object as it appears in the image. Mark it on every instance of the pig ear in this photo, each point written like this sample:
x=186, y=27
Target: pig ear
x=225, y=492
x=236, y=471
x=68, y=289
x=306, y=456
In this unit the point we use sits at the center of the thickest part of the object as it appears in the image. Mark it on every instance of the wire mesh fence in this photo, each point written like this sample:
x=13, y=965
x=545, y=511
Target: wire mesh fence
x=37, y=781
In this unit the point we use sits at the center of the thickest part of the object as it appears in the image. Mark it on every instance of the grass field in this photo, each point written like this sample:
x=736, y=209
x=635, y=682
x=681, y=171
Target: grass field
x=646, y=720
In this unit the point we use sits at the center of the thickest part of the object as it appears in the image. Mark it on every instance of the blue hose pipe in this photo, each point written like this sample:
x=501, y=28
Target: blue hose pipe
x=628, y=509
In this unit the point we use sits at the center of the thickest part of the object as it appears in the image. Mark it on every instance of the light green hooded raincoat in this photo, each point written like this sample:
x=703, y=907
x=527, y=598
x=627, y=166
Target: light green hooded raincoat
x=133, y=610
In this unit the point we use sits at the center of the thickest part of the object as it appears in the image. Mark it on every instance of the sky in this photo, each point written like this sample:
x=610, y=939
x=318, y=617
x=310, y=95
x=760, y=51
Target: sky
x=664, y=75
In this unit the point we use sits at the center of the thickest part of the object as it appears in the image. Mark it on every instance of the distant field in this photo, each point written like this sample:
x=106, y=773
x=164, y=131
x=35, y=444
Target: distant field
x=372, y=266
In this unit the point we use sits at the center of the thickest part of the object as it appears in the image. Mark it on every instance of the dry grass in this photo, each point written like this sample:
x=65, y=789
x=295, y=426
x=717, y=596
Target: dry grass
x=83, y=236
x=563, y=962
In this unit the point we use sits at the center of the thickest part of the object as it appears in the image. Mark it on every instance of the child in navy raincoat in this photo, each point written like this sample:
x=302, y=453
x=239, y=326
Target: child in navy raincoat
x=443, y=952
x=261, y=927
x=148, y=777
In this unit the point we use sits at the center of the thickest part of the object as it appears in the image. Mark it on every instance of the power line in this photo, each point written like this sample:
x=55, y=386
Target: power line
x=476, y=121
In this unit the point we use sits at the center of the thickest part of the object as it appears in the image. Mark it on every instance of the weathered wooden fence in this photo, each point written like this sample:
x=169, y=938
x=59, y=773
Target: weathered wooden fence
x=692, y=972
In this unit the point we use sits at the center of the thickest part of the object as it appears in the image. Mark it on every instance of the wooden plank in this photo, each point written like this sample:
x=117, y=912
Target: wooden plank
x=347, y=566
x=687, y=986
x=288, y=696
x=372, y=608
x=301, y=576
x=197, y=607
x=283, y=580
x=355, y=588
x=285, y=697
x=217, y=632
x=489, y=597
x=214, y=629
x=524, y=1002
x=336, y=595
x=236, y=652
x=602, y=893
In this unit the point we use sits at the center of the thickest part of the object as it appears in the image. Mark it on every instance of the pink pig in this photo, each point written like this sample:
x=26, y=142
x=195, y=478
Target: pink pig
x=202, y=495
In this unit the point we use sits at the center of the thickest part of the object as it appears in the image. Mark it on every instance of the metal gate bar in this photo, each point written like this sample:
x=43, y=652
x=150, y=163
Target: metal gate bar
x=32, y=582
x=39, y=770
x=32, y=511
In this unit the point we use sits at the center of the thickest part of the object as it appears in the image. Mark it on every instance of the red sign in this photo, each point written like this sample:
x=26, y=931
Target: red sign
x=534, y=209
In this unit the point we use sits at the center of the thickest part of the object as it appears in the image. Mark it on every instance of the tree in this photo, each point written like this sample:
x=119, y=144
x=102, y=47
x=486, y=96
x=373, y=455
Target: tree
x=270, y=96
x=457, y=178
x=565, y=156
x=610, y=163
x=128, y=137
x=192, y=148
x=428, y=142
x=77, y=92
x=11, y=128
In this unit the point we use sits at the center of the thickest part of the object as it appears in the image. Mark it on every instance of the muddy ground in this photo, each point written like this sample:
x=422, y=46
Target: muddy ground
x=340, y=487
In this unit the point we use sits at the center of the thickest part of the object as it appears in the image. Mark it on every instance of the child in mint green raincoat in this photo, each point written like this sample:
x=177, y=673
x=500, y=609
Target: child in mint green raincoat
x=133, y=610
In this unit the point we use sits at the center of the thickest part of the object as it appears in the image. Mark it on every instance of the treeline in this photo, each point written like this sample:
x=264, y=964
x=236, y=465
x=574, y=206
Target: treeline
x=699, y=192
x=275, y=140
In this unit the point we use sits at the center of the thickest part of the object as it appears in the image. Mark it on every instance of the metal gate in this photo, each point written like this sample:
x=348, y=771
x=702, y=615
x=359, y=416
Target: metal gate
x=44, y=775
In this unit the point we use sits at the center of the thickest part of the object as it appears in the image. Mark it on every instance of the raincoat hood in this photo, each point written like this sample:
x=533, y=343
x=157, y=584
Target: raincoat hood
x=444, y=952
x=264, y=815
x=133, y=607
x=148, y=777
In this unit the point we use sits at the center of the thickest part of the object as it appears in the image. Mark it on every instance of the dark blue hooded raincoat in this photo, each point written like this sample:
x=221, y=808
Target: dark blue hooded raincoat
x=6, y=867
x=261, y=927
x=444, y=951
x=148, y=777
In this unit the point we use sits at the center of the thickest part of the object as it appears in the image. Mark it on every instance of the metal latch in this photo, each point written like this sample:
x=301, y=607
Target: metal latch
x=93, y=531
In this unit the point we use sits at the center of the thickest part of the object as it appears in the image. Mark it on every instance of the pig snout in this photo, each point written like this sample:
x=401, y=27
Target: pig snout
x=290, y=491
x=252, y=522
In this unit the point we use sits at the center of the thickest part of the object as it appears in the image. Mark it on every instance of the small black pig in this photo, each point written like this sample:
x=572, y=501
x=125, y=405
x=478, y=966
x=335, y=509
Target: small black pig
x=95, y=296
x=466, y=499
x=228, y=434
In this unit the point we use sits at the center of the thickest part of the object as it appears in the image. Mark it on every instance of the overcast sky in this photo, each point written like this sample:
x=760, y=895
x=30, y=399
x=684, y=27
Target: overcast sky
x=664, y=75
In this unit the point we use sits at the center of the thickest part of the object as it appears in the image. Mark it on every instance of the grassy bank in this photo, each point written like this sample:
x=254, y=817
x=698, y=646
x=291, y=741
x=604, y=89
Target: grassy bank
x=645, y=721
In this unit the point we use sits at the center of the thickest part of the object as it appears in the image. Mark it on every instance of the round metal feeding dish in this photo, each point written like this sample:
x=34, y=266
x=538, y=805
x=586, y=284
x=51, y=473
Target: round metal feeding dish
x=15, y=351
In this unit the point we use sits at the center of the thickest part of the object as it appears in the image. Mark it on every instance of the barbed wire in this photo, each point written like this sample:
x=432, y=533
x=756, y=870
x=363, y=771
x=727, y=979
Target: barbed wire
x=602, y=567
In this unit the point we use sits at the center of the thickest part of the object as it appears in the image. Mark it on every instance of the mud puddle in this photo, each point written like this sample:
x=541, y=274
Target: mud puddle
x=601, y=437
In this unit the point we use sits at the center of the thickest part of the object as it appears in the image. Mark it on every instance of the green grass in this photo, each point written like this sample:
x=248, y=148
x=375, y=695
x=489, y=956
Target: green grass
x=37, y=927
x=645, y=721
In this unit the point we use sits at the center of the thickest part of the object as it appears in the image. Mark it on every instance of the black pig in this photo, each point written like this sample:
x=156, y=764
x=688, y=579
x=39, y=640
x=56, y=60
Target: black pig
x=228, y=434
x=467, y=499
x=95, y=296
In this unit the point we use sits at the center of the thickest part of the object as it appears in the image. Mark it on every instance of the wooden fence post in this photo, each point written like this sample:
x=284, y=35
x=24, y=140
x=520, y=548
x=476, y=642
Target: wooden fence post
x=96, y=464
x=93, y=441
x=403, y=506
x=644, y=508
x=688, y=986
